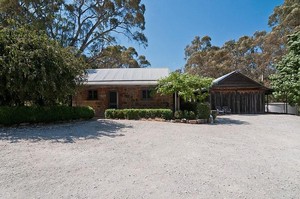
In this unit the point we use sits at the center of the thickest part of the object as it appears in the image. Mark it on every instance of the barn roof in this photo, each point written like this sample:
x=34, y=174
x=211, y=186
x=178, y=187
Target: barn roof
x=236, y=79
x=126, y=76
x=219, y=79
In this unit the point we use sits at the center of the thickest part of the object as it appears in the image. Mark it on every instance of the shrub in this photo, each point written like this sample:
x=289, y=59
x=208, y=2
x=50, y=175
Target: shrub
x=166, y=114
x=133, y=114
x=36, y=114
x=119, y=114
x=214, y=113
x=192, y=115
x=178, y=114
x=189, y=115
x=110, y=114
x=189, y=106
x=186, y=114
x=203, y=111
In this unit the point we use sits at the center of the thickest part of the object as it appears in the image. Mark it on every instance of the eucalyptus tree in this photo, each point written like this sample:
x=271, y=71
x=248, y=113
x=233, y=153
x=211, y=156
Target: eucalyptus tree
x=255, y=56
x=284, y=21
x=87, y=25
x=198, y=44
x=119, y=57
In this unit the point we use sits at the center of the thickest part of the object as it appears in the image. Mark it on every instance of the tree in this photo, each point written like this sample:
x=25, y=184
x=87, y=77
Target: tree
x=119, y=57
x=198, y=44
x=255, y=55
x=36, y=69
x=187, y=86
x=87, y=25
x=286, y=82
x=284, y=21
x=286, y=17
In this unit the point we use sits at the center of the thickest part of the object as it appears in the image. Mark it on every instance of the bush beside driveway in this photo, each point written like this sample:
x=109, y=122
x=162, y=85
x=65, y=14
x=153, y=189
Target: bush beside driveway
x=242, y=156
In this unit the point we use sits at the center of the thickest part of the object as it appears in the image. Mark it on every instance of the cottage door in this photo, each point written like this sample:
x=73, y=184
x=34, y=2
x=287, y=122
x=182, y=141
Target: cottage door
x=113, y=99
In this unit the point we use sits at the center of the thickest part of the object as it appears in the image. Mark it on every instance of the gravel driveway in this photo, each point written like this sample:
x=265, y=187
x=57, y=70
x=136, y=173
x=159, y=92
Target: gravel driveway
x=250, y=156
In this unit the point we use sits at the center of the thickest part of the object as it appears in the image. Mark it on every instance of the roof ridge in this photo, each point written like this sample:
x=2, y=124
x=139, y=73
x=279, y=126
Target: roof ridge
x=222, y=78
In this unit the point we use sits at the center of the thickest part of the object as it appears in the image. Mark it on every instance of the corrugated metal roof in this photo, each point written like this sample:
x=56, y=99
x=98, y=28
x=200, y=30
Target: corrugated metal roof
x=126, y=76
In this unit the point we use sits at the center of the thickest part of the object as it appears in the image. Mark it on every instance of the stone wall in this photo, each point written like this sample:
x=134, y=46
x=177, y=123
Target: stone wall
x=128, y=97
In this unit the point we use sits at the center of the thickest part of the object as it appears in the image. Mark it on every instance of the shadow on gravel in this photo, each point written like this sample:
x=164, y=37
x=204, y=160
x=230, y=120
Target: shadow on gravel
x=64, y=133
x=228, y=120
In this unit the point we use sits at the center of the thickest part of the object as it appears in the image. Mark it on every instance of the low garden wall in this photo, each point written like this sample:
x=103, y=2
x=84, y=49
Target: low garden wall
x=280, y=107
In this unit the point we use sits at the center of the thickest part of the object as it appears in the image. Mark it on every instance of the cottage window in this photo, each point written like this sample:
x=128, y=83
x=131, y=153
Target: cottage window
x=92, y=95
x=146, y=94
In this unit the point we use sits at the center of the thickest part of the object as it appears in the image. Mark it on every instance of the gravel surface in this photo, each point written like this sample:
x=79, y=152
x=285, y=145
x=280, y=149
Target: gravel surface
x=250, y=156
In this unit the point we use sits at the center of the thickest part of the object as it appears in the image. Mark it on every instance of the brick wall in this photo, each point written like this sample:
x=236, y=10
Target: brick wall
x=128, y=97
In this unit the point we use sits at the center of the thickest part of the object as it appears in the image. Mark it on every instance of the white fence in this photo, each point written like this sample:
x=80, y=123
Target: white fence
x=280, y=107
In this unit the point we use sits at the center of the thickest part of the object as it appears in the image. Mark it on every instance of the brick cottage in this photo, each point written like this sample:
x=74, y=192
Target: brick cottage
x=122, y=88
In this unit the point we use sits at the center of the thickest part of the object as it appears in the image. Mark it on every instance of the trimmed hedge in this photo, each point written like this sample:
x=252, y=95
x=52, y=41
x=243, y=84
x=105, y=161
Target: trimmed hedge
x=135, y=114
x=189, y=115
x=36, y=114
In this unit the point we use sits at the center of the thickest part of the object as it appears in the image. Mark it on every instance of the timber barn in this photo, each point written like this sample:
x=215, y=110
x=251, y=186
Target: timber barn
x=239, y=93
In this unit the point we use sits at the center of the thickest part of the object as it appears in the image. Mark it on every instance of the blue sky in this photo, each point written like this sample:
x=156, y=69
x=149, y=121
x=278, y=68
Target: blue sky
x=172, y=24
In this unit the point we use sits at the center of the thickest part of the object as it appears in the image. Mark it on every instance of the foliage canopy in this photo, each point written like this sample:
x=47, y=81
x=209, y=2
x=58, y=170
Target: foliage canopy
x=119, y=57
x=89, y=26
x=286, y=82
x=36, y=69
x=255, y=56
x=189, y=87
